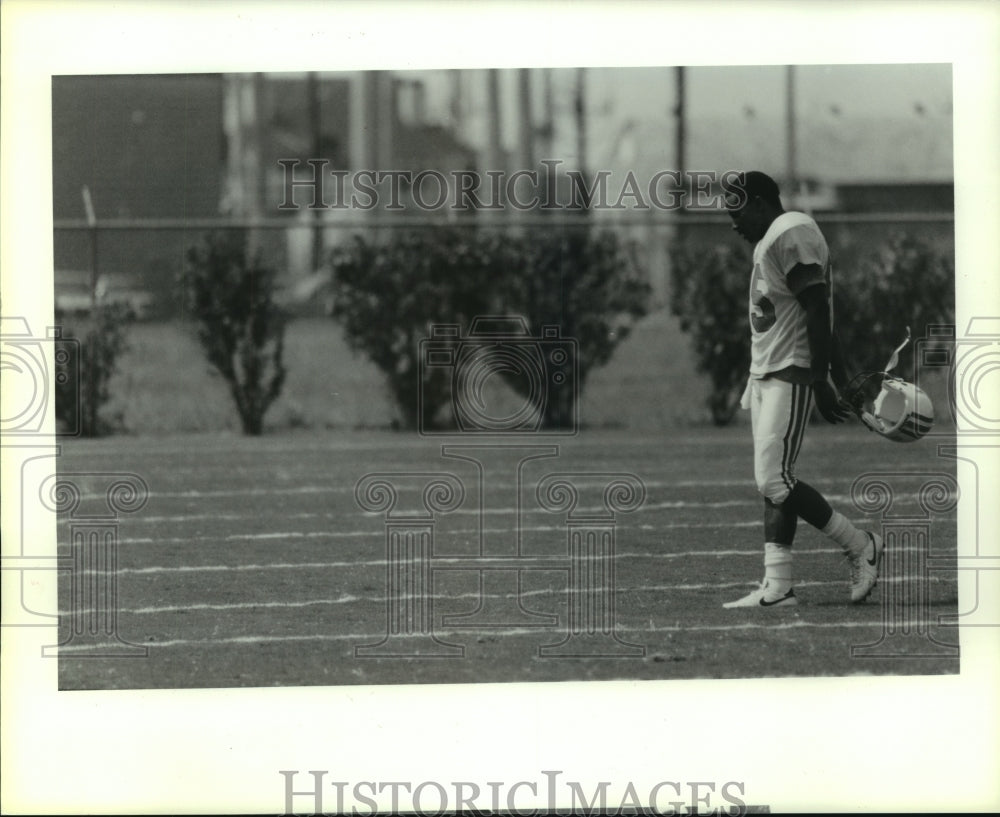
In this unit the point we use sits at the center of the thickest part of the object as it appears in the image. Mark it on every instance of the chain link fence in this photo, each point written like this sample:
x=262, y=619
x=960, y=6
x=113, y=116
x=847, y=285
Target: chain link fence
x=139, y=262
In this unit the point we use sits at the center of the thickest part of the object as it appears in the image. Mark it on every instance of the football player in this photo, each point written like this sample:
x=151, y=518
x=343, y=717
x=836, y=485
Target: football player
x=794, y=360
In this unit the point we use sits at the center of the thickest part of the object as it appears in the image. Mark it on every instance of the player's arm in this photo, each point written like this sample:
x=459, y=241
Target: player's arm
x=808, y=282
x=838, y=362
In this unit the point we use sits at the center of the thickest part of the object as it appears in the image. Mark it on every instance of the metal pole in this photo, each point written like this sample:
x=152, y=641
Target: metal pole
x=253, y=147
x=549, y=128
x=581, y=120
x=88, y=207
x=525, y=127
x=494, y=143
x=681, y=120
x=457, y=103
x=790, y=134
x=312, y=88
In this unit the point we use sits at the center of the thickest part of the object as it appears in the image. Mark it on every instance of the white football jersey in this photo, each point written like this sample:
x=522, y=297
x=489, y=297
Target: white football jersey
x=777, y=319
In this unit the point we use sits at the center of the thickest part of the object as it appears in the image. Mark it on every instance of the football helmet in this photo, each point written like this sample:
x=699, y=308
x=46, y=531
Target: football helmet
x=897, y=410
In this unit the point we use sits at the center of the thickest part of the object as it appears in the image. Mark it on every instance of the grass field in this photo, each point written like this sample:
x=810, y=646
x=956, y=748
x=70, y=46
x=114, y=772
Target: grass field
x=252, y=564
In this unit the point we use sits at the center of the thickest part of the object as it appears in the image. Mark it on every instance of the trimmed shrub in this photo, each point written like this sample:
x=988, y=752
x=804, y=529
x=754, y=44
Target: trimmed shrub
x=85, y=390
x=240, y=327
x=388, y=296
x=582, y=281
x=906, y=282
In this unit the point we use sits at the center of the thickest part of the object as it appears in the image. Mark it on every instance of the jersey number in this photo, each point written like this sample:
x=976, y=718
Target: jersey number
x=762, y=315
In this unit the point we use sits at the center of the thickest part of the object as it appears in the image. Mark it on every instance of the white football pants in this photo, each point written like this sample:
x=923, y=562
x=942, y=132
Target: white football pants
x=779, y=412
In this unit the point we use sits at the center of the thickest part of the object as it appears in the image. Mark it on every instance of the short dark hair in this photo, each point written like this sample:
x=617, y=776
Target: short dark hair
x=745, y=186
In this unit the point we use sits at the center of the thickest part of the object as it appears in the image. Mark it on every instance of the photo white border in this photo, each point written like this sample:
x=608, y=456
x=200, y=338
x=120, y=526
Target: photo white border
x=812, y=744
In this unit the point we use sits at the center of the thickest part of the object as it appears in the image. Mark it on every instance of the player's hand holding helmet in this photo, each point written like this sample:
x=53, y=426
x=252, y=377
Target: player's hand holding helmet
x=890, y=406
x=829, y=404
x=897, y=410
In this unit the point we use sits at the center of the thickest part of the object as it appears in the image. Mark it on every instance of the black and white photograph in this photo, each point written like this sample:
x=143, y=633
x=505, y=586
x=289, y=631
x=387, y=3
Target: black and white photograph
x=416, y=409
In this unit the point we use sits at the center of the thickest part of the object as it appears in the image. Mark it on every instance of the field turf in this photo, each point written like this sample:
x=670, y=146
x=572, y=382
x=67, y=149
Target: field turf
x=252, y=563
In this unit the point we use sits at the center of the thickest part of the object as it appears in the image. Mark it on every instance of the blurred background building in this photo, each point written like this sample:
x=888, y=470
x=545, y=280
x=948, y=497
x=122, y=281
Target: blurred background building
x=144, y=165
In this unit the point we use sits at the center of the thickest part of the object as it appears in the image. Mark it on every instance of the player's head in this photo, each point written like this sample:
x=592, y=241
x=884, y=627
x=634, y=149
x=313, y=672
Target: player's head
x=753, y=201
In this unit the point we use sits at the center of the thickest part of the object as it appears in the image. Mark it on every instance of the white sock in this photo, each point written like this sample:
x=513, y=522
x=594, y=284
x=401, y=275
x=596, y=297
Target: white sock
x=777, y=568
x=840, y=529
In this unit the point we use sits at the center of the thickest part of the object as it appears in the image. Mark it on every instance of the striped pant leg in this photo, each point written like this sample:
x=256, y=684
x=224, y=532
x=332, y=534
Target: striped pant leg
x=779, y=415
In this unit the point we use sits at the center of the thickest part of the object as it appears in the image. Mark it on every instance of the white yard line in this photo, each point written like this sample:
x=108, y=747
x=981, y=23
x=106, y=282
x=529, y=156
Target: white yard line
x=380, y=599
x=635, y=632
x=526, y=561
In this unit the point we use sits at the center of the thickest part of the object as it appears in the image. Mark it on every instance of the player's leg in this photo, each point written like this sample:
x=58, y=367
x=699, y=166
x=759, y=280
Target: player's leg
x=779, y=412
x=779, y=415
x=779, y=534
x=863, y=549
x=779, y=523
x=798, y=498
